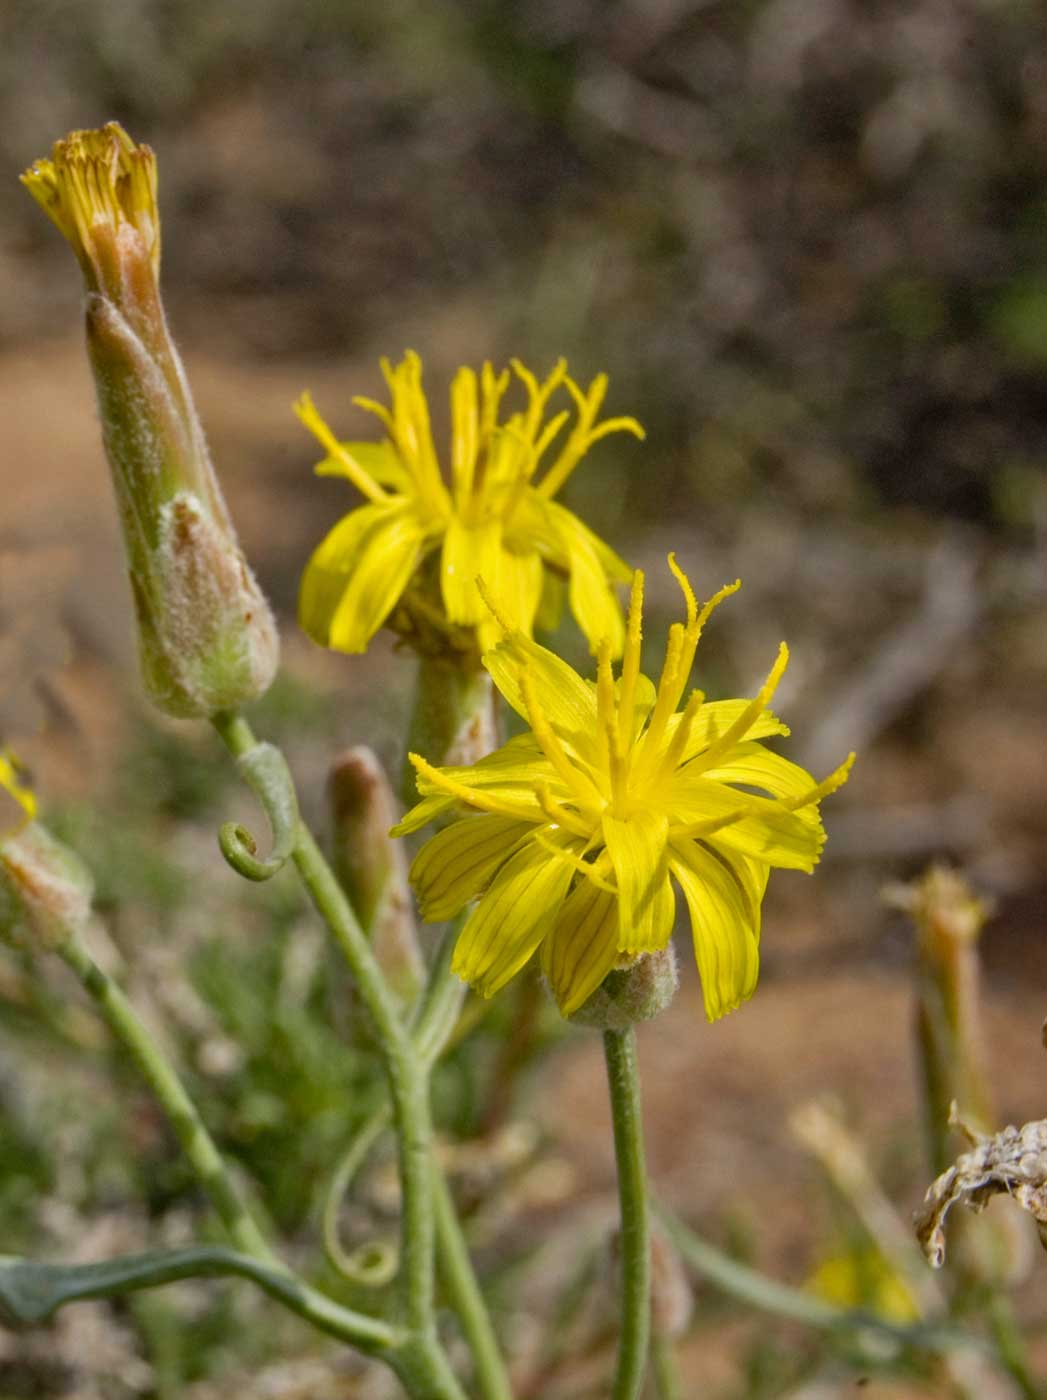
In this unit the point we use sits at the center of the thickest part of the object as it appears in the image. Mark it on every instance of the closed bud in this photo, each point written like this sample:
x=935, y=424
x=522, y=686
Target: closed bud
x=372, y=867
x=207, y=638
x=948, y=918
x=637, y=992
x=45, y=889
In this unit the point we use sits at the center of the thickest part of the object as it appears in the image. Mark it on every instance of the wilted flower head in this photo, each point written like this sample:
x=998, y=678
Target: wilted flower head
x=1011, y=1163
x=613, y=797
x=207, y=638
x=493, y=517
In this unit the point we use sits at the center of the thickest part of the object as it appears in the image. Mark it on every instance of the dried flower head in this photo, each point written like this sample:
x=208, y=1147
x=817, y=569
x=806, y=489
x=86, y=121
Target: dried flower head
x=494, y=518
x=1012, y=1162
x=612, y=799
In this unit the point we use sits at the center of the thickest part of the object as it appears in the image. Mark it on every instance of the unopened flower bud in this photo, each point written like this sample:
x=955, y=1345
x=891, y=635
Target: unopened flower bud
x=634, y=993
x=45, y=889
x=949, y=918
x=372, y=867
x=207, y=638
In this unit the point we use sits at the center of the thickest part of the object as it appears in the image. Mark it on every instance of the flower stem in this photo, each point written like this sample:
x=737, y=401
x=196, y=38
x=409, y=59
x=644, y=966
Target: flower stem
x=624, y=1082
x=463, y=1290
x=195, y=1140
x=420, y=1360
x=665, y=1368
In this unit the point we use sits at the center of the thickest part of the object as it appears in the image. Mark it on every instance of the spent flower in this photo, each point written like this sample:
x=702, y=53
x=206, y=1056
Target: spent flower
x=493, y=516
x=207, y=638
x=577, y=833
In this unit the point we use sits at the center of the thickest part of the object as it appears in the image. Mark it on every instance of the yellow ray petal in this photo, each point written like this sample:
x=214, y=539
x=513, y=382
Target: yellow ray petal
x=329, y=570
x=637, y=847
x=512, y=918
x=566, y=699
x=754, y=766
x=457, y=864
x=751, y=875
x=582, y=947
x=421, y=814
x=468, y=551
x=725, y=946
x=516, y=580
x=381, y=571
x=762, y=829
x=591, y=597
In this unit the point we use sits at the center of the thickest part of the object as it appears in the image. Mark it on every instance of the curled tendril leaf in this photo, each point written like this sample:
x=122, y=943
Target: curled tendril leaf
x=265, y=771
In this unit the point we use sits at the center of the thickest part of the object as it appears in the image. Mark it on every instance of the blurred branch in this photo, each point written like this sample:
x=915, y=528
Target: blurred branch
x=907, y=660
x=767, y=1295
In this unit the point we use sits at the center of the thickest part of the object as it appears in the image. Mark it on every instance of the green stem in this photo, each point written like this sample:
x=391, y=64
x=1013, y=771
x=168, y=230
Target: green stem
x=624, y=1082
x=31, y=1293
x=196, y=1141
x=756, y=1290
x=1010, y=1345
x=420, y=1360
x=408, y=1084
x=463, y=1291
x=664, y=1368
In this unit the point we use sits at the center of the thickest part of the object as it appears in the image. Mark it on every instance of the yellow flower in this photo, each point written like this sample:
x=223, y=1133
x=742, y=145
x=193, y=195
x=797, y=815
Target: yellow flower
x=493, y=519
x=14, y=785
x=612, y=797
x=863, y=1278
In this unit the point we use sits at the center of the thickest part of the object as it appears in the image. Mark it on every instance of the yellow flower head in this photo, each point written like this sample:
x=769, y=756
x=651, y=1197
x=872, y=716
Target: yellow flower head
x=614, y=796
x=495, y=517
x=18, y=804
x=99, y=187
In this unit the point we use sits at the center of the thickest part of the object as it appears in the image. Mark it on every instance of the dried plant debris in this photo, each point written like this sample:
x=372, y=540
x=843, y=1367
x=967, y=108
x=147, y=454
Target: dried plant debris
x=1011, y=1162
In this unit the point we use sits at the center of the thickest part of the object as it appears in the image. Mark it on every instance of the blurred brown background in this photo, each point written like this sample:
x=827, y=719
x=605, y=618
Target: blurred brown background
x=808, y=241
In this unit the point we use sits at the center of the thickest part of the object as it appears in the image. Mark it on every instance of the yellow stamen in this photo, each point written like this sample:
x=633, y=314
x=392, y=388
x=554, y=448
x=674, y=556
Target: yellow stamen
x=670, y=760
x=749, y=715
x=668, y=692
x=493, y=608
x=558, y=814
x=378, y=409
x=573, y=778
x=307, y=413
x=832, y=783
x=483, y=801
x=709, y=825
x=548, y=433
x=630, y=660
x=492, y=389
x=687, y=591
x=465, y=434
x=584, y=867
x=583, y=435
x=98, y=180
x=615, y=425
